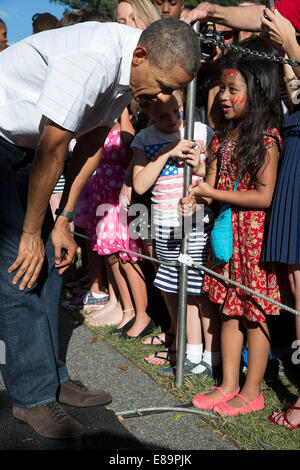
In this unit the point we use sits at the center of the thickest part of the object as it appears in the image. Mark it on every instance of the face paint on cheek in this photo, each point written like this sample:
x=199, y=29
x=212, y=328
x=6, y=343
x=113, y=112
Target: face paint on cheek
x=239, y=100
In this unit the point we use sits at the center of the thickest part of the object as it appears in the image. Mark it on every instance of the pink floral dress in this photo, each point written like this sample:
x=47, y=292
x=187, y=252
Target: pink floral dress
x=108, y=224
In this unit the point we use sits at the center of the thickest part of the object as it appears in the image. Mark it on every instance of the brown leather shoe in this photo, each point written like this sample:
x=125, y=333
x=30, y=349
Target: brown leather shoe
x=74, y=393
x=50, y=421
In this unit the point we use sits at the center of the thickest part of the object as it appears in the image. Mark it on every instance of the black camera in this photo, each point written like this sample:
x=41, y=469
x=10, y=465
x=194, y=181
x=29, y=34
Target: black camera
x=208, y=49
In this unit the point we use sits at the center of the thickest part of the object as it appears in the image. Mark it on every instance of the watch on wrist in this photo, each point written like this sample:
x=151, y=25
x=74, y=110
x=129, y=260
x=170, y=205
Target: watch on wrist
x=67, y=214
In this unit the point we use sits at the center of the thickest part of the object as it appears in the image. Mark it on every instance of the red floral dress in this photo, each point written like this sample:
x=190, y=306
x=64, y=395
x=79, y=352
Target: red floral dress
x=248, y=234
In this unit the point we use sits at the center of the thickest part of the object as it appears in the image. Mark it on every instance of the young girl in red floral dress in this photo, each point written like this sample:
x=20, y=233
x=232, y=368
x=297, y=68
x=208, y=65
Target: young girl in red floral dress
x=246, y=146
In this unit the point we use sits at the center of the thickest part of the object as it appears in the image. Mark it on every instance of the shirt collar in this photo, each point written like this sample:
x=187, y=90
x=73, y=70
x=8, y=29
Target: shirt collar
x=129, y=44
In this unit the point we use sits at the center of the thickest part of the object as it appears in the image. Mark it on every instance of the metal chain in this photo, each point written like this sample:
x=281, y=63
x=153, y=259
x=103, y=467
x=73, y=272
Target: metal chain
x=247, y=51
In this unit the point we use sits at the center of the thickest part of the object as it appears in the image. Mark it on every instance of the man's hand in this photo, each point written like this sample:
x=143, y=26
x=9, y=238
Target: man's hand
x=29, y=261
x=63, y=240
x=201, y=13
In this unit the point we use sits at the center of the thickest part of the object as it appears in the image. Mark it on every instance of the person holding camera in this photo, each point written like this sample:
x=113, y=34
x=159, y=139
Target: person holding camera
x=241, y=17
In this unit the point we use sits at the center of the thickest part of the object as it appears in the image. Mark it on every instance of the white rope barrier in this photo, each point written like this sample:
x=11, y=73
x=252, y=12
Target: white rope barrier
x=186, y=259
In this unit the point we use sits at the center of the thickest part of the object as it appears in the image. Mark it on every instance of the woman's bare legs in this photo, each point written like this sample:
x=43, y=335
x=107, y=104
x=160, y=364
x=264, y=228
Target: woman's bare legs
x=294, y=279
x=165, y=336
x=292, y=415
x=120, y=299
x=172, y=302
x=137, y=284
x=98, y=274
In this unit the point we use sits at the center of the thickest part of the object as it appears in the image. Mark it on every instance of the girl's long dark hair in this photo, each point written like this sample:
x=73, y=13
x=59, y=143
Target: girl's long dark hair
x=263, y=110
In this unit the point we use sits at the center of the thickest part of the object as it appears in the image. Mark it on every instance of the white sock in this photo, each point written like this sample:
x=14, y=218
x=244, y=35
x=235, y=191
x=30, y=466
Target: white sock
x=194, y=352
x=211, y=358
x=98, y=296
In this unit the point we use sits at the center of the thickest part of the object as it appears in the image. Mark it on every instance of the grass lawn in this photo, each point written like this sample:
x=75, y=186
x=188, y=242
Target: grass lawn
x=252, y=431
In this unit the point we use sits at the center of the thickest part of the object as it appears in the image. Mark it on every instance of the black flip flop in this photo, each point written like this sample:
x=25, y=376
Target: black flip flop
x=162, y=343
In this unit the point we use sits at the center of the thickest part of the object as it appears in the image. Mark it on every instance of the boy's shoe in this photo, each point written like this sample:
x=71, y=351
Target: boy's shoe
x=86, y=301
x=167, y=372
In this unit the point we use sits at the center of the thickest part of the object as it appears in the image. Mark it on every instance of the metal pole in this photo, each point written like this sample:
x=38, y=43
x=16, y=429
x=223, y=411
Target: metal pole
x=183, y=274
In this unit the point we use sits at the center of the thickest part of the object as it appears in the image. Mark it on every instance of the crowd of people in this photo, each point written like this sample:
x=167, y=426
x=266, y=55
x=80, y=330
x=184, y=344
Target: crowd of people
x=107, y=149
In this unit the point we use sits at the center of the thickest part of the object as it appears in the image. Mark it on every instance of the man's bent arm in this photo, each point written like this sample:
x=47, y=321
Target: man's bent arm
x=46, y=168
x=246, y=18
x=48, y=165
x=85, y=159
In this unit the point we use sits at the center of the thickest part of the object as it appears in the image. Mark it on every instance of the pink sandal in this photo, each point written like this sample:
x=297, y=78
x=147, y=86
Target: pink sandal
x=206, y=403
x=227, y=410
x=276, y=415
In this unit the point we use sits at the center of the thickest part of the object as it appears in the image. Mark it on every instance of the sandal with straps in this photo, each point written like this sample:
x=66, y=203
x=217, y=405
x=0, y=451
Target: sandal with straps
x=276, y=415
x=127, y=326
x=167, y=357
x=160, y=342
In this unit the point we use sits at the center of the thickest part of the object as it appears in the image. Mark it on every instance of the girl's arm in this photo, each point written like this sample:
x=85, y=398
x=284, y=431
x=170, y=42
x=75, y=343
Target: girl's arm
x=127, y=131
x=258, y=198
x=187, y=205
x=145, y=175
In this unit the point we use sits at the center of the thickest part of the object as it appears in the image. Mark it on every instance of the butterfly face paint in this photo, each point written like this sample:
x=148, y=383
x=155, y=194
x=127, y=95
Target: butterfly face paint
x=233, y=94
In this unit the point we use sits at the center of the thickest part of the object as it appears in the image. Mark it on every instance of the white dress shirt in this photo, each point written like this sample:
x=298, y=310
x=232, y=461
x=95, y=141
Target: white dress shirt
x=76, y=76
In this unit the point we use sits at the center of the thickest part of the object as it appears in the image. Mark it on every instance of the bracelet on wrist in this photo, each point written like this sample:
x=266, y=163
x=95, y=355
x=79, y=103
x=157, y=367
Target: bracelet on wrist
x=69, y=215
x=29, y=233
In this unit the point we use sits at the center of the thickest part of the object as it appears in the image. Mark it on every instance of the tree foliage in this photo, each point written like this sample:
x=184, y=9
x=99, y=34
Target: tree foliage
x=104, y=6
x=107, y=6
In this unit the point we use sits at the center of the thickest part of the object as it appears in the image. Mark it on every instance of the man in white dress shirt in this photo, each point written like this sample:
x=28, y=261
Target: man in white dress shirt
x=58, y=85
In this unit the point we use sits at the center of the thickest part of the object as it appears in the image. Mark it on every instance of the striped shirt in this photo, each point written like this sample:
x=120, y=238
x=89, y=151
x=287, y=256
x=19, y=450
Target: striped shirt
x=168, y=188
x=77, y=76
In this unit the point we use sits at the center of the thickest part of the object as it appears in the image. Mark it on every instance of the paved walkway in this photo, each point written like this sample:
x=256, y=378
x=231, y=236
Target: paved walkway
x=96, y=364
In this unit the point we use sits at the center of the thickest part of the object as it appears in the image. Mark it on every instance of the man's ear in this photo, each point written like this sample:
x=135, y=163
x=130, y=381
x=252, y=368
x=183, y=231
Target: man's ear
x=140, y=54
